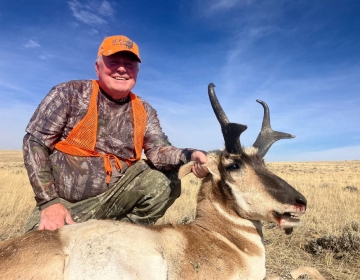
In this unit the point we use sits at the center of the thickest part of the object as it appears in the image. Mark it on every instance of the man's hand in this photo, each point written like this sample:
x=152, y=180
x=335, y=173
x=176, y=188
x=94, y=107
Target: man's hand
x=55, y=216
x=198, y=168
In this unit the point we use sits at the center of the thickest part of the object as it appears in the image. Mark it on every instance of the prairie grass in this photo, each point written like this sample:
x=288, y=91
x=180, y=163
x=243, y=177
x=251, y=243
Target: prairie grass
x=329, y=238
x=16, y=195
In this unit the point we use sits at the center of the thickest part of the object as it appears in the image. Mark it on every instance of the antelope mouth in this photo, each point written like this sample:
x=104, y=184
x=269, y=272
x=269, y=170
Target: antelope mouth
x=289, y=219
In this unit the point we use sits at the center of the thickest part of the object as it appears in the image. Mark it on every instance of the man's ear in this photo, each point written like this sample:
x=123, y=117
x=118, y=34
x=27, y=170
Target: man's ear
x=97, y=68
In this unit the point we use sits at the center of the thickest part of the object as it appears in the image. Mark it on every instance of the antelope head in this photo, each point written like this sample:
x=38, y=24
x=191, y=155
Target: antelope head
x=251, y=190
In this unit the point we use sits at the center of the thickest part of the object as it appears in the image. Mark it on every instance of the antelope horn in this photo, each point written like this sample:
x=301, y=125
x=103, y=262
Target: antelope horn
x=231, y=131
x=267, y=136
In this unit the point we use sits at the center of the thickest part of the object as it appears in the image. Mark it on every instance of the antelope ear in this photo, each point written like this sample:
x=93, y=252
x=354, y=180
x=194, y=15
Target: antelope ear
x=214, y=173
x=185, y=169
x=213, y=166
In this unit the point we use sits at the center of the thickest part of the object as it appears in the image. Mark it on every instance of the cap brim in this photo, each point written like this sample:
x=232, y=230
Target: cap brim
x=133, y=55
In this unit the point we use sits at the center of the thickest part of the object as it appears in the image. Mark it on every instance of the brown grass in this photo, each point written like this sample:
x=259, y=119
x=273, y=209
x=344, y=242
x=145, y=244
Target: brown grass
x=16, y=196
x=329, y=238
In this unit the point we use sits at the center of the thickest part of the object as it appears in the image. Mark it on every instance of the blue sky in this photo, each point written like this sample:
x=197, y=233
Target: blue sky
x=301, y=57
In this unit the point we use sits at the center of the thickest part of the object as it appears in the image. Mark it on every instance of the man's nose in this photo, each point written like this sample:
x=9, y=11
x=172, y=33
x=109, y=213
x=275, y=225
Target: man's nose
x=121, y=68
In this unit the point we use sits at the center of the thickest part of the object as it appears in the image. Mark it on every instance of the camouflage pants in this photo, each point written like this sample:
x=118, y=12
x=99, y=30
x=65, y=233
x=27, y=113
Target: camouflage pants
x=141, y=196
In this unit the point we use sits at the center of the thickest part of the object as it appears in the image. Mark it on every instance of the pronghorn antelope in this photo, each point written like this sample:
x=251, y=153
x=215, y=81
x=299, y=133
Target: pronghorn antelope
x=223, y=242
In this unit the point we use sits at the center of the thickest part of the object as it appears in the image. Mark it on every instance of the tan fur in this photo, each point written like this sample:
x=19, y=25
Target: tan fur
x=185, y=169
x=224, y=242
x=37, y=255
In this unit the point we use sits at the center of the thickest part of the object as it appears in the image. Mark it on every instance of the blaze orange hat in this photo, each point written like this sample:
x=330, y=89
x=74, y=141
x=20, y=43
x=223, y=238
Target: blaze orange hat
x=118, y=43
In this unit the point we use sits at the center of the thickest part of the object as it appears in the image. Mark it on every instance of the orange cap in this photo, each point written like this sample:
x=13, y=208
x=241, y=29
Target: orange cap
x=118, y=43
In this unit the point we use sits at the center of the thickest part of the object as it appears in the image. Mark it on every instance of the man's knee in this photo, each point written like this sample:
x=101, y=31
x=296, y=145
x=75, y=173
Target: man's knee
x=164, y=184
x=158, y=191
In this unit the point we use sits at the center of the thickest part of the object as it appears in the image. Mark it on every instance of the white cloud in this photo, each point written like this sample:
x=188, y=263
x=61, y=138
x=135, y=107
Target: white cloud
x=45, y=56
x=221, y=5
x=93, y=31
x=105, y=9
x=32, y=44
x=12, y=86
x=91, y=13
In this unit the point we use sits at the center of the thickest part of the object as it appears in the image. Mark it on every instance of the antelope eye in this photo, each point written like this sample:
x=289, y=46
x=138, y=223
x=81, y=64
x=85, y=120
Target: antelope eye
x=232, y=167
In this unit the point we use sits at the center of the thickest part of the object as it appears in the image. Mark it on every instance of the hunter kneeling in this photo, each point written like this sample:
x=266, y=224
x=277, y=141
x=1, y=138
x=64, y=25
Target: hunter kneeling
x=84, y=143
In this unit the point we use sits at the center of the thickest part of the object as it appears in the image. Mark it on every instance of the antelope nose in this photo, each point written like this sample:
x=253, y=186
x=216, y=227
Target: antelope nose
x=301, y=201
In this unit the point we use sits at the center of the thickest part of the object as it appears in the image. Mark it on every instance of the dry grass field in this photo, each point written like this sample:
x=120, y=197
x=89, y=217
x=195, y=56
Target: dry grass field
x=329, y=238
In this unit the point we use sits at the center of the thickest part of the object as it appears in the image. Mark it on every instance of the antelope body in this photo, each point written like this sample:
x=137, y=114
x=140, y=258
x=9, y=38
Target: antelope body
x=224, y=242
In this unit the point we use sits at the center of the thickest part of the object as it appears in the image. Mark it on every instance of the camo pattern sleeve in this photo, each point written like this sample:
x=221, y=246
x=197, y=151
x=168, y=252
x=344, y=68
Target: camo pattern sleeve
x=38, y=166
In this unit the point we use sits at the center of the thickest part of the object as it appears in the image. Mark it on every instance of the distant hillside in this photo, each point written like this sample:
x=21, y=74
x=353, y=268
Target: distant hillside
x=11, y=156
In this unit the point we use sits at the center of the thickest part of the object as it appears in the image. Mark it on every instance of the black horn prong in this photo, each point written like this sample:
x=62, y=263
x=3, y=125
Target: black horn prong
x=218, y=110
x=231, y=131
x=267, y=136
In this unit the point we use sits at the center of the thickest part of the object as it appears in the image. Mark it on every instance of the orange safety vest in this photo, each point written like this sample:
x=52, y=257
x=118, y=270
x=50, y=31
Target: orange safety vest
x=82, y=139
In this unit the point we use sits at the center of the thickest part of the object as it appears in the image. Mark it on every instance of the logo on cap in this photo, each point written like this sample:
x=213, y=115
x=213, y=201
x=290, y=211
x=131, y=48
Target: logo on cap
x=126, y=43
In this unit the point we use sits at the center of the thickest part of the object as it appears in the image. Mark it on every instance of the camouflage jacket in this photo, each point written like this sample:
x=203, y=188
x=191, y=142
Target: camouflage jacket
x=54, y=174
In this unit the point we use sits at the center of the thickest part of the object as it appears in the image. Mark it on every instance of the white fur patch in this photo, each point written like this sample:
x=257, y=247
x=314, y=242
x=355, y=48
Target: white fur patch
x=251, y=151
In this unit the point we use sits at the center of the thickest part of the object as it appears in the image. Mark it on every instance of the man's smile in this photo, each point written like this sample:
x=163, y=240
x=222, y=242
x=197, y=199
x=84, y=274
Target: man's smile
x=120, y=78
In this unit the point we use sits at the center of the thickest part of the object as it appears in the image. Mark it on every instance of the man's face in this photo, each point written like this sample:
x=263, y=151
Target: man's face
x=117, y=73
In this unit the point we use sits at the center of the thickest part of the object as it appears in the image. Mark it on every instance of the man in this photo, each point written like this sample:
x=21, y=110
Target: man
x=84, y=144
